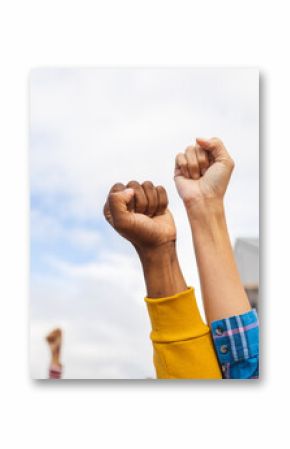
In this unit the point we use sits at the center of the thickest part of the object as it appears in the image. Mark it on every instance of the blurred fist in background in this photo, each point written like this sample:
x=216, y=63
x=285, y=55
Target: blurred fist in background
x=54, y=339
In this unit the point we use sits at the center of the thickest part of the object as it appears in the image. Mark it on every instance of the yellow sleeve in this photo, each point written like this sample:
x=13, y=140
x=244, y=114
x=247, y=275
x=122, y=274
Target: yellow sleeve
x=182, y=343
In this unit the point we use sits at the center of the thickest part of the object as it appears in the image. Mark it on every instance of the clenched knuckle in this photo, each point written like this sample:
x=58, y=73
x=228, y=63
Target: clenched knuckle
x=148, y=184
x=117, y=185
x=189, y=149
x=179, y=156
x=133, y=183
x=111, y=197
x=216, y=140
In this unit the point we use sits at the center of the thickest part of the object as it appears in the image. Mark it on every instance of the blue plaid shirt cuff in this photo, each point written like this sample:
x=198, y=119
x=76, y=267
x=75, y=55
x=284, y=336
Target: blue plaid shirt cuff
x=236, y=341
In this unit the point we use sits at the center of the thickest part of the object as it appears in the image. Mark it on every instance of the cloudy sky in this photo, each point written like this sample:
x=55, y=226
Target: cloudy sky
x=90, y=128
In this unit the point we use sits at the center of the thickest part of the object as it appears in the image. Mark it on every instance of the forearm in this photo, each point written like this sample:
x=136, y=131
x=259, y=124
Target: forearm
x=222, y=289
x=182, y=344
x=55, y=367
x=162, y=273
x=55, y=359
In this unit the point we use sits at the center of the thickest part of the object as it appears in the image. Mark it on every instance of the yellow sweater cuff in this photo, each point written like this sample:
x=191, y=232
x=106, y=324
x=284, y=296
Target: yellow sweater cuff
x=175, y=318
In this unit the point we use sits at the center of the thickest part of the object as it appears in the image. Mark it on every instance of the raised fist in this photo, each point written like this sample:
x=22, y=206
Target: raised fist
x=139, y=213
x=54, y=341
x=203, y=171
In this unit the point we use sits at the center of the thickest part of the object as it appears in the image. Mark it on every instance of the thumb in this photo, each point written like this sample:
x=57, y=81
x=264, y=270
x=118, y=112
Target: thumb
x=215, y=147
x=118, y=203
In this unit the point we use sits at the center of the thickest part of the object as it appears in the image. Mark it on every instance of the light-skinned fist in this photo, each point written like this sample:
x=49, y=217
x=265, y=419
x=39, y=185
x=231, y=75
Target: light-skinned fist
x=203, y=171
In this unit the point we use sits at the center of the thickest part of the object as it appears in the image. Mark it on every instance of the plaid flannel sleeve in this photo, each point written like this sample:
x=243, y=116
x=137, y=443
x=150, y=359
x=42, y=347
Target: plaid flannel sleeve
x=236, y=341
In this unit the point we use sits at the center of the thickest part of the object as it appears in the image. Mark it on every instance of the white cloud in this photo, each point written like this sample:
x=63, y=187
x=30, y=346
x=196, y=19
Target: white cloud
x=93, y=127
x=46, y=228
x=101, y=310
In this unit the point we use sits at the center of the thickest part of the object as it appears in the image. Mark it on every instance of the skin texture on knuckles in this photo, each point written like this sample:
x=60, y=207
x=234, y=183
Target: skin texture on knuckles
x=139, y=213
x=203, y=171
x=192, y=162
x=151, y=197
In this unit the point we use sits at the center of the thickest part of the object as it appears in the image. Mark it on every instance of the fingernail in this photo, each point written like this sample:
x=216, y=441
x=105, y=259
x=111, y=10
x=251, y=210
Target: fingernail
x=203, y=171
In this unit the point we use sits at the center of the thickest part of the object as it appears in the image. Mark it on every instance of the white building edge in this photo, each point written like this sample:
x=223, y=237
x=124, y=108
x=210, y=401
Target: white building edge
x=247, y=257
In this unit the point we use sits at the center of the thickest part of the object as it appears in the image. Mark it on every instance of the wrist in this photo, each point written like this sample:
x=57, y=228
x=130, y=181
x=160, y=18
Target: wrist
x=203, y=209
x=55, y=359
x=157, y=254
x=161, y=269
x=208, y=226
